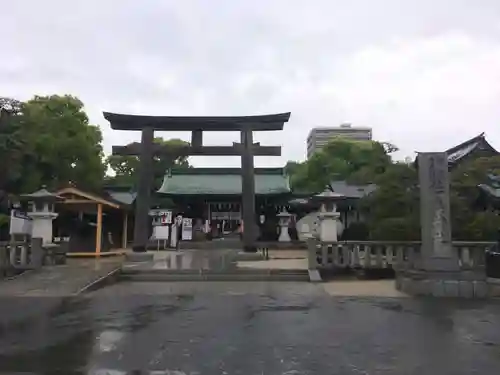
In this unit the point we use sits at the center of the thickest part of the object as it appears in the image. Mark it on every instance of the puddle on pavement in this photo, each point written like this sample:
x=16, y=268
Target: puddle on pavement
x=195, y=260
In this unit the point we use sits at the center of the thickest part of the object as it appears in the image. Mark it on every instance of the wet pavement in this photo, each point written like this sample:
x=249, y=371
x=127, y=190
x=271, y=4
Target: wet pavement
x=214, y=260
x=247, y=328
x=60, y=280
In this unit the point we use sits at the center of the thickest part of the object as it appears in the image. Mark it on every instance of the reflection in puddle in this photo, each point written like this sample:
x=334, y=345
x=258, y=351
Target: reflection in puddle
x=108, y=341
x=193, y=260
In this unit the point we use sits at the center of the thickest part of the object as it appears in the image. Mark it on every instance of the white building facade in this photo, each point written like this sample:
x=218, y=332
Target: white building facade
x=319, y=137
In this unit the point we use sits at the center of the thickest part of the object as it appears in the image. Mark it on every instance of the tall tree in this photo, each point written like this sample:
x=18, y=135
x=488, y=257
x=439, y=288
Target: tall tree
x=11, y=145
x=125, y=167
x=59, y=145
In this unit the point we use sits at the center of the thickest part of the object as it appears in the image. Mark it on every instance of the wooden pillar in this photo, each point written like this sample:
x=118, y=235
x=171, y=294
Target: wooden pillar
x=98, y=234
x=125, y=230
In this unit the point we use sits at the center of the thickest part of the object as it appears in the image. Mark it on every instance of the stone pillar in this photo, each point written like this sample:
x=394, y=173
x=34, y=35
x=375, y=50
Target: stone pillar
x=284, y=220
x=329, y=224
x=42, y=222
x=435, y=270
x=437, y=252
x=37, y=253
x=173, y=235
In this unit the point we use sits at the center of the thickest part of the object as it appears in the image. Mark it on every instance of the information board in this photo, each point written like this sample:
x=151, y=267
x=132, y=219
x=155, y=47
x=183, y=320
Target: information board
x=187, y=228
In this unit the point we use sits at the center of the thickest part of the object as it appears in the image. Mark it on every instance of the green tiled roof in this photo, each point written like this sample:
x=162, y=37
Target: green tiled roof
x=217, y=181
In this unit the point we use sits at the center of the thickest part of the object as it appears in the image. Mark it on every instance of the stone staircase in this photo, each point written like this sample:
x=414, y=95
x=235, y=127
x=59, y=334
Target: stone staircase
x=203, y=265
x=214, y=275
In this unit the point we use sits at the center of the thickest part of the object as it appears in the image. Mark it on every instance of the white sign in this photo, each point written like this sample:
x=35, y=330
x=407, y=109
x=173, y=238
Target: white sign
x=161, y=232
x=20, y=223
x=187, y=229
x=218, y=215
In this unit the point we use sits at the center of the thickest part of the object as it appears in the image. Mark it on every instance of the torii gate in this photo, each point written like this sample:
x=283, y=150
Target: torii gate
x=247, y=149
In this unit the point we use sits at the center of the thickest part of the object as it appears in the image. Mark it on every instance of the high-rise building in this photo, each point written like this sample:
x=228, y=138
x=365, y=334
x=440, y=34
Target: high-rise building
x=319, y=137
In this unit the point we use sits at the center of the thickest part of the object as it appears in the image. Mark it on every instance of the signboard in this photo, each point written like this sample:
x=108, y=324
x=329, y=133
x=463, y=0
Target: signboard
x=226, y=215
x=187, y=229
x=161, y=232
x=20, y=223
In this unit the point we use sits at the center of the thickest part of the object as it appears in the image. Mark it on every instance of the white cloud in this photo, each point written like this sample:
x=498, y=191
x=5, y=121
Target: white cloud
x=424, y=74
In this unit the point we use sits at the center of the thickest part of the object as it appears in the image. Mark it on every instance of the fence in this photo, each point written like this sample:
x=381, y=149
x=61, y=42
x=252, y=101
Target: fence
x=384, y=255
x=17, y=256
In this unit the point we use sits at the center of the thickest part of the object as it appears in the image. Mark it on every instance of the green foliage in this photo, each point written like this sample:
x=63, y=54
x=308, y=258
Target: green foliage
x=470, y=221
x=340, y=159
x=50, y=142
x=392, y=211
x=126, y=167
x=4, y=220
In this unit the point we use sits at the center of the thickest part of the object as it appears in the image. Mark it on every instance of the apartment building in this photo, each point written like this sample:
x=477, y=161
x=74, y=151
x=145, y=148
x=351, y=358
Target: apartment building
x=319, y=137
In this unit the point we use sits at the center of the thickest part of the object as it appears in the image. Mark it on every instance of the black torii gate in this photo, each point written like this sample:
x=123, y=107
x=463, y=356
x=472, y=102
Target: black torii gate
x=147, y=149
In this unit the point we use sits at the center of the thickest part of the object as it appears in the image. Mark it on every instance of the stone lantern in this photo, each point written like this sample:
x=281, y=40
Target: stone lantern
x=284, y=219
x=330, y=226
x=41, y=209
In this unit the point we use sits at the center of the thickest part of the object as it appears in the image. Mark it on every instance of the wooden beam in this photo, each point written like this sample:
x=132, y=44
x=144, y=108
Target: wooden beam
x=98, y=234
x=124, y=230
x=78, y=201
x=235, y=150
x=90, y=198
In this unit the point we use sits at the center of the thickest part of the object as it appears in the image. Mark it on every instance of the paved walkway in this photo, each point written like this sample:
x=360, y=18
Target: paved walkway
x=62, y=280
x=277, y=264
x=252, y=328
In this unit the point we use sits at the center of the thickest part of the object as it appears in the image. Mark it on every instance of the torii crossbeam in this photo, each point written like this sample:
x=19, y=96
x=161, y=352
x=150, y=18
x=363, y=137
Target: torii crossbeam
x=146, y=149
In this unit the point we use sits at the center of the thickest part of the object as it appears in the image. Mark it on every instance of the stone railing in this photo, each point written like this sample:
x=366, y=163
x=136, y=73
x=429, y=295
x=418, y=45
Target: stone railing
x=18, y=256
x=384, y=255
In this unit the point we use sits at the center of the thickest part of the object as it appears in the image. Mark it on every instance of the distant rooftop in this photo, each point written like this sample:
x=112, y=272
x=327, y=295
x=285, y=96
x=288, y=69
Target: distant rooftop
x=476, y=144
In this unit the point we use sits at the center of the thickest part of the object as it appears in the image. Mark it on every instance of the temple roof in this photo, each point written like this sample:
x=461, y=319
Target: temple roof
x=123, y=197
x=352, y=191
x=223, y=181
x=478, y=143
x=168, y=123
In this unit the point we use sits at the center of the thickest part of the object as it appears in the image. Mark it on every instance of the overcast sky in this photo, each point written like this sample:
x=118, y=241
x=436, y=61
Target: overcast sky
x=424, y=74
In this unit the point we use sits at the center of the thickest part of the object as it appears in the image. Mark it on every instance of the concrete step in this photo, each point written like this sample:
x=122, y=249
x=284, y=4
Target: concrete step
x=212, y=275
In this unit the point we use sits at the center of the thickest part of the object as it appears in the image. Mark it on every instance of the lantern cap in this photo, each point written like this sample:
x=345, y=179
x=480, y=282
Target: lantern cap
x=42, y=195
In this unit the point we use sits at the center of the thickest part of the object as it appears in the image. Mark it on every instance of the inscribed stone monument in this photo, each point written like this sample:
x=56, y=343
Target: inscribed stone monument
x=437, y=252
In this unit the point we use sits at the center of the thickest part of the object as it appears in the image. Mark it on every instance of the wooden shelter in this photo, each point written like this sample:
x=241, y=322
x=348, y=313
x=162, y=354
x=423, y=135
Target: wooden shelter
x=80, y=203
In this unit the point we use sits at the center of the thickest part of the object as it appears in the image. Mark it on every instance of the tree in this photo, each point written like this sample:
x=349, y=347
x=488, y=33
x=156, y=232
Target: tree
x=59, y=146
x=471, y=220
x=341, y=159
x=392, y=210
x=11, y=144
x=126, y=167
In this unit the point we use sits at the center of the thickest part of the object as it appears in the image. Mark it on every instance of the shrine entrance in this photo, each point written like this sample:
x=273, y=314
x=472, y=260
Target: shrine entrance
x=147, y=149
